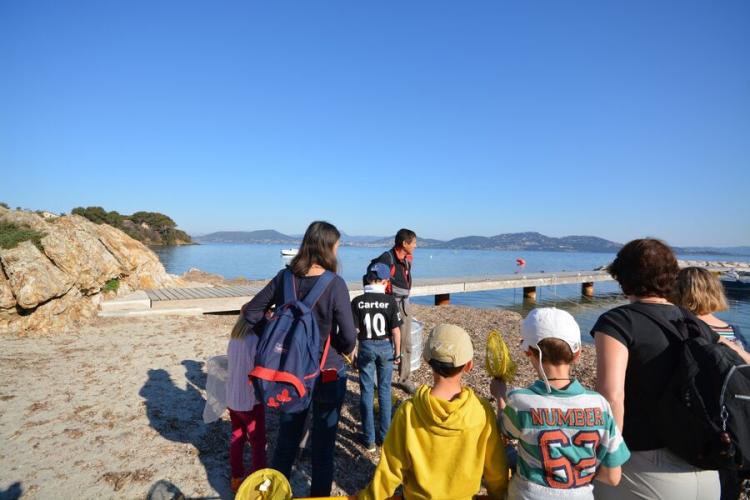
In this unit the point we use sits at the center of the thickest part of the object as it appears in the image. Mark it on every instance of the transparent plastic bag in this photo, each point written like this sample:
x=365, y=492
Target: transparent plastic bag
x=216, y=388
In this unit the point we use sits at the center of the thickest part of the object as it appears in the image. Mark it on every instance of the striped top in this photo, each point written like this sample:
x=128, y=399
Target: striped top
x=727, y=332
x=563, y=436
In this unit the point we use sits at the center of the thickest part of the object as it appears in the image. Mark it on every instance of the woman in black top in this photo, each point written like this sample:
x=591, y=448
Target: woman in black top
x=633, y=362
x=333, y=314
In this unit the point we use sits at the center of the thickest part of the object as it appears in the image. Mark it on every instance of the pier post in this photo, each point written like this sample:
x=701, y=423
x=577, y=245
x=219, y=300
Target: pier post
x=442, y=299
x=529, y=293
x=587, y=289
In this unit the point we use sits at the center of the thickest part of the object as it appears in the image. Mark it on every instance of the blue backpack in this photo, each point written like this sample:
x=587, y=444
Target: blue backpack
x=287, y=361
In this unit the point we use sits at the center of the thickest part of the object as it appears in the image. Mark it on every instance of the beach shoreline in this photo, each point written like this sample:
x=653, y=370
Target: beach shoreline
x=110, y=408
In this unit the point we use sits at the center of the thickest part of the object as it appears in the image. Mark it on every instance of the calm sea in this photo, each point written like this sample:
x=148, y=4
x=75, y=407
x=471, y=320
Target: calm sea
x=264, y=261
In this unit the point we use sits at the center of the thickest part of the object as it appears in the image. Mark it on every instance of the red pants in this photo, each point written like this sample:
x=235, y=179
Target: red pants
x=247, y=427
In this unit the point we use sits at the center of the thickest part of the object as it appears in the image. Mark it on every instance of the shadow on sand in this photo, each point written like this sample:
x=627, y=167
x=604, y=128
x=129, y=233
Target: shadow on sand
x=13, y=492
x=177, y=414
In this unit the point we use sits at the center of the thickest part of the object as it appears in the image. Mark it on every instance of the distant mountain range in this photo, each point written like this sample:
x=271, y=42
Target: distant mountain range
x=512, y=241
x=263, y=236
x=507, y=241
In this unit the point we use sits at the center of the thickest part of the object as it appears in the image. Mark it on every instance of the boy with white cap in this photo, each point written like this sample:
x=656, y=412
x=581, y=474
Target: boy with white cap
x=566, y=434
x=444, y=440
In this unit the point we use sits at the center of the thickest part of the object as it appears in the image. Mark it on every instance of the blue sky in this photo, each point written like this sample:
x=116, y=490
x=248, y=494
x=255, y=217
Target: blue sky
x=614, y=119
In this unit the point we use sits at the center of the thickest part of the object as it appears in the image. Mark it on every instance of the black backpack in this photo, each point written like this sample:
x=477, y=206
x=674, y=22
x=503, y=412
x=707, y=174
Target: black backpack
x=703, y=415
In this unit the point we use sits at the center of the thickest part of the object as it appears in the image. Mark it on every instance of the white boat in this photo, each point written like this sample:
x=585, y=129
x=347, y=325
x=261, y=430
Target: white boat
x=288, y=252
x=735, y=280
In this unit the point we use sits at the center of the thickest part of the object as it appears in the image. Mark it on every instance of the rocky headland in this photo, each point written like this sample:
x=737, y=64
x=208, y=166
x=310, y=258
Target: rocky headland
x=58, y=276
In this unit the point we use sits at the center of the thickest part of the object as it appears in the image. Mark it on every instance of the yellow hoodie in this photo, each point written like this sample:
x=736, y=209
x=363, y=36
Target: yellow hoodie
x=441, y=449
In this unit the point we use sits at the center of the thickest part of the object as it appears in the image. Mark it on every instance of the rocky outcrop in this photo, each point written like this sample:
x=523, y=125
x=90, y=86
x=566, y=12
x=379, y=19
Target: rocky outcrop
x=74, y=247
x=32, y=277
x=7, y=299
x=60, y=281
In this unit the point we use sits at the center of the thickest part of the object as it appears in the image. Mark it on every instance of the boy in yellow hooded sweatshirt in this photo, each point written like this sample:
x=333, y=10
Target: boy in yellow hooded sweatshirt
x=445, y=439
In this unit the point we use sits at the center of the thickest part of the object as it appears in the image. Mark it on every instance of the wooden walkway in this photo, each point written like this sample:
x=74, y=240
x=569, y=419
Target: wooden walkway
x=231, y=298
x=208, y=299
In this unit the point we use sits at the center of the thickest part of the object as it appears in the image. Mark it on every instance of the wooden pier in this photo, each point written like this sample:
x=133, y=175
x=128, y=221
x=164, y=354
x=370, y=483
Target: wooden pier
x=442, y=288
x=212, y=299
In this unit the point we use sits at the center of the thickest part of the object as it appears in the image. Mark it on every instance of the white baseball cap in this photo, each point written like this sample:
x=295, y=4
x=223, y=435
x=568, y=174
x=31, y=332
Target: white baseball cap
x=550, y=323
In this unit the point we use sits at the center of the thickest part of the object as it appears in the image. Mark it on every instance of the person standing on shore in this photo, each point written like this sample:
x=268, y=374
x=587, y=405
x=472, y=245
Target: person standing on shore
x=333, y=315
x=399, y=260
x=378, y=324
x=245, y=408
x=701, y=292
x=634, y=361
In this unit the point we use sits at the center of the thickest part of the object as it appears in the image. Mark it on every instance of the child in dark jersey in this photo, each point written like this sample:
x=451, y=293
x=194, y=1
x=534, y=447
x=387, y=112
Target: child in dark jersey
x=378, y=320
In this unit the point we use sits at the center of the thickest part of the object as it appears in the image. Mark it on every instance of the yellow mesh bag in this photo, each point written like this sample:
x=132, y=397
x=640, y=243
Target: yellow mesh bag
x=497, y=360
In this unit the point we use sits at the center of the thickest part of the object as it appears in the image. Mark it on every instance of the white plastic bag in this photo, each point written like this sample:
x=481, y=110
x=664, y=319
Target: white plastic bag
x=216, y=389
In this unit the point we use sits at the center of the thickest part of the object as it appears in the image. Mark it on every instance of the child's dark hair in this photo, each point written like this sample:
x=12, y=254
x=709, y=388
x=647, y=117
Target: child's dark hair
x=554, y=352
x=445, y=369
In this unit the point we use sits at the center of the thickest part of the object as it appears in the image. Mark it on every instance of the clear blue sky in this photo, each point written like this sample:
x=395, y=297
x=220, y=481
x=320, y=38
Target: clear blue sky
x=615, y=119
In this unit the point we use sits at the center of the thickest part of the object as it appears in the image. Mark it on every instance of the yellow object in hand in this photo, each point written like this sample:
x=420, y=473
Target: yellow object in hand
x=497, y=360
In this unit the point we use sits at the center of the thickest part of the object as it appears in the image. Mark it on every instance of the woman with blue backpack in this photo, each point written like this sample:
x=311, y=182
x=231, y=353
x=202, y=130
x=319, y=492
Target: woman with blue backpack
x=299, y=363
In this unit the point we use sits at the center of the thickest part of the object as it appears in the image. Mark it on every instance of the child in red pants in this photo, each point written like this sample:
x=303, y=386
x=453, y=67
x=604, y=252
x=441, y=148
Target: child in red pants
x=245, y=409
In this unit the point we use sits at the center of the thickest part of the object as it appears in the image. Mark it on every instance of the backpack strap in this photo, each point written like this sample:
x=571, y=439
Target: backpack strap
x=325, y=351
x=392, y=257
x=318, y=288
x=312, y=298
x=290, y=287
x=669, y=326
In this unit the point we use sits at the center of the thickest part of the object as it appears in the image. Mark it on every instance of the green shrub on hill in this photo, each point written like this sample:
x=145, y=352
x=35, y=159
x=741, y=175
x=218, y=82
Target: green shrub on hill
x=11, y=235
x=4, y=205
x=98, y=215
x=111, y=285
x=154, y=219
x=151, y=228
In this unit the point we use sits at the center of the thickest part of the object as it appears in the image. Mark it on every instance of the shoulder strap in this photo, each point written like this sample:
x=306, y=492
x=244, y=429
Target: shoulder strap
x=325, y=351
x=290, y=288
x=317, y=290
x=311, y=299
x=667, y=326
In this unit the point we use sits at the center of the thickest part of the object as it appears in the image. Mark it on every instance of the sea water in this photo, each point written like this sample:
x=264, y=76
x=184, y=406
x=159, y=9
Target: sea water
x=264, y=261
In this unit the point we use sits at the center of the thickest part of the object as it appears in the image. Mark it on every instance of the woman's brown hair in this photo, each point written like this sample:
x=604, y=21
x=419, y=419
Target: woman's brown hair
x=700, y=292
x=645, y=268
x=317, y=248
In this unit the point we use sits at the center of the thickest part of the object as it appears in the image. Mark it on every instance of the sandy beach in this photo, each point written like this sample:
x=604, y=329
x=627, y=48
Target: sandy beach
x=111, y=409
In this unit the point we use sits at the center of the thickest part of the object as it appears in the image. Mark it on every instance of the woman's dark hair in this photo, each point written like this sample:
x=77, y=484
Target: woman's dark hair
x=317, y=248
x=404, y=235
x=445, y=369
x=646, y=268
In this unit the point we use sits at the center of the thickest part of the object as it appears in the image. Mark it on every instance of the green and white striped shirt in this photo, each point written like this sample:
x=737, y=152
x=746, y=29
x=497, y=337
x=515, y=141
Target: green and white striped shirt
x=563, y=436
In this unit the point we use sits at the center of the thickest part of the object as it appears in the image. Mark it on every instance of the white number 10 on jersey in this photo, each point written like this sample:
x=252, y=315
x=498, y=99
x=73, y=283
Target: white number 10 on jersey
x=375, y=324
